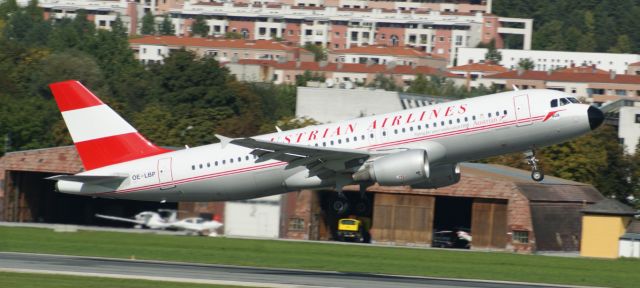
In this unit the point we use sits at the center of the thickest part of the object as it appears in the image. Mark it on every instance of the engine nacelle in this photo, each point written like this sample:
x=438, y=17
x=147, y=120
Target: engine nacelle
x=441, y=176
x=402, y=168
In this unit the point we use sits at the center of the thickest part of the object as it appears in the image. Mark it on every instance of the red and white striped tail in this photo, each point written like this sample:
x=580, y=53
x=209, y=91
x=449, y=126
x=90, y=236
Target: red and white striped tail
x=101, y=136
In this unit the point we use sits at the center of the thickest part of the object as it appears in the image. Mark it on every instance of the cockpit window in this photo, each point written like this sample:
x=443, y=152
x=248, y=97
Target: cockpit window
x=564, y=101
x=573, y=100
x=554, y=103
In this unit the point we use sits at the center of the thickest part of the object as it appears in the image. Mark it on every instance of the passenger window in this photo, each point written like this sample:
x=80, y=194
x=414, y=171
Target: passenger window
x=458, y=120
x=331, y=142
x=419, y=127
x=208, y=164
x=441, y=123
x=371, y=135
x=316, y=144
x=239, y=159
x=215, y=163
x=231, y=160
x=473, y=117
x=395, y=131
x=246, y=158
x=346, y=139
x=497, y=113
x=435, y=124
x=554, y=103
x=450, y=121
x=193, y=167
x=362, y=136
x=404, y=130
x=489, y=115
x=466, y=119
x=339, y=141
x=324, y=144
x=224, y=162
x=504, y=112
x=200, y=166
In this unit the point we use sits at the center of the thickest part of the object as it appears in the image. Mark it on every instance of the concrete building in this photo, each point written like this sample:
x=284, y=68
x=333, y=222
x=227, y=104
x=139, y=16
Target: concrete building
x=624, y=114
x=629, y=244
x=463, y=6
x=603, y=224
x=150, y=49
x=101, y=12
x=552, y=60
x=327, y=105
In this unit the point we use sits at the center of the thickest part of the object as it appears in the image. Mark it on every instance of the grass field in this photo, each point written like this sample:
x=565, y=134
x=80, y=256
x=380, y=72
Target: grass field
x=28, y=280
x=322, y=256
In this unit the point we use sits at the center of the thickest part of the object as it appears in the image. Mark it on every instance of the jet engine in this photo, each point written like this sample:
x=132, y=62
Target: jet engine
x=402, y=168
x=441, y=176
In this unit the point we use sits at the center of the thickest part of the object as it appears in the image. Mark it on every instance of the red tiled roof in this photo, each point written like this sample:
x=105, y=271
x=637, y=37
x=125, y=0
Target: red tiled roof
x=479, y=67
x=213, y=43
x=384, y=50
x=635, y=64
x=52, y=160
x=568, y=77
x=347, y=67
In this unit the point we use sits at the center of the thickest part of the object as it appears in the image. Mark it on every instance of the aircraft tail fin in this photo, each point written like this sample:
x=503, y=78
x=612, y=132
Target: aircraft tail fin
x=100, y=135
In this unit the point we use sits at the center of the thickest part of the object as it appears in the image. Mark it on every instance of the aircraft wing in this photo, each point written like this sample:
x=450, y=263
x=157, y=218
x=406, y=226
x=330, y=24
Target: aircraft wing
x=321, y=161
x=120, y=219
x=89, y=179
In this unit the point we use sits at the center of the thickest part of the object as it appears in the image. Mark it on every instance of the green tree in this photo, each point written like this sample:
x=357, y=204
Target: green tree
x=7, y=8
x=383, y=82
x=319, y=53
x=148, y=24
x=200, y=27
x=117, y=27
x=232, y=35
x=492, y=55
x=166, y=27
x=623, y=45
x=526, y=64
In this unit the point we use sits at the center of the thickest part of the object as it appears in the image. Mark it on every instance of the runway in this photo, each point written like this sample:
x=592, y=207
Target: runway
x=223, y=274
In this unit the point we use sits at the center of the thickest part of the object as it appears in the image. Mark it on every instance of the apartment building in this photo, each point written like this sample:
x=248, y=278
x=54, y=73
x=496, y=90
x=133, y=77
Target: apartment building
x=440, y=33
x=383, y=54
x=152, y=49
x=465, y=6
x=552, y=60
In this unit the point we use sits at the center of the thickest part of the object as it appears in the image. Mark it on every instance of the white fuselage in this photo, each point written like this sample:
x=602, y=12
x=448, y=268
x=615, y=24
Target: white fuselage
x=452, y=132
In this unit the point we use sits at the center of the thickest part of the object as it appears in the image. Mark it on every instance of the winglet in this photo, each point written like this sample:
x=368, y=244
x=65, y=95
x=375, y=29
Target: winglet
x=224, y=141
x=278, y=129
x=515, y=88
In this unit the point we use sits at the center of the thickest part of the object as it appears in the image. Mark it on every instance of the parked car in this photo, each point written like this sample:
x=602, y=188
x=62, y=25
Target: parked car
x=455, y=238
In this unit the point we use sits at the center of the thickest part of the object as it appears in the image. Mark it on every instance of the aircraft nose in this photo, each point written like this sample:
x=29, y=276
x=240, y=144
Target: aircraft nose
x=596, y=117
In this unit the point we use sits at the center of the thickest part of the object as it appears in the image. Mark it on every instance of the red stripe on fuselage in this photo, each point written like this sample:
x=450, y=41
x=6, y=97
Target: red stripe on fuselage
x=70, y=95
x=270, y=165
x=111, y=150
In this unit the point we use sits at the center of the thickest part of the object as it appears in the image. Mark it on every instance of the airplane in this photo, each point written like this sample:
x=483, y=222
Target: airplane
x=419, y=147
x=153, y=220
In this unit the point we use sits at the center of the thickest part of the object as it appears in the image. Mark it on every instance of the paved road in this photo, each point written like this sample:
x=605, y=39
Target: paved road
x=221, y=274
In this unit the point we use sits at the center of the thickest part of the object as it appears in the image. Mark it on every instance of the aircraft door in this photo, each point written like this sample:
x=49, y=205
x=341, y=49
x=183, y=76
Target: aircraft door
x=523, y=110
x=165, y=174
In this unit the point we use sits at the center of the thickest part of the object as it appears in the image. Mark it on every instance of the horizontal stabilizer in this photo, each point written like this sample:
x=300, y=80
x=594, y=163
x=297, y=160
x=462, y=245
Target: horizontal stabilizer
x=115, y=218
x=89, y=179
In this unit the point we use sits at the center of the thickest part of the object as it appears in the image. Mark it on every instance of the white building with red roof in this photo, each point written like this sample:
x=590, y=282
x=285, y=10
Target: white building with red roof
x=472, y=72
x=151, y=49
x=383, y=54
x=593, y=86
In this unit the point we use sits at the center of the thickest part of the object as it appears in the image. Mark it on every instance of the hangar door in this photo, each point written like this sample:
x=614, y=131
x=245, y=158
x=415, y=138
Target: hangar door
x=403, y=218
x=489, y=223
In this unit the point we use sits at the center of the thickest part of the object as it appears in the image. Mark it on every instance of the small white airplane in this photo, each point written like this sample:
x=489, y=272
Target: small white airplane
x=420, y=147
x=153, y=220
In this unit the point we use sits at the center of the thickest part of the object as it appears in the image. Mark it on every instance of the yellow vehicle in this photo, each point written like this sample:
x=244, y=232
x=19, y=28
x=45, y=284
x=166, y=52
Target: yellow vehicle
x=350, y=230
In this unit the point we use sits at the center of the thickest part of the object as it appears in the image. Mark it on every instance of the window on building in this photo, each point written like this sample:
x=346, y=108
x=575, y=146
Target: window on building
x=521, y=237
x=296, y=224
x=637, y=118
